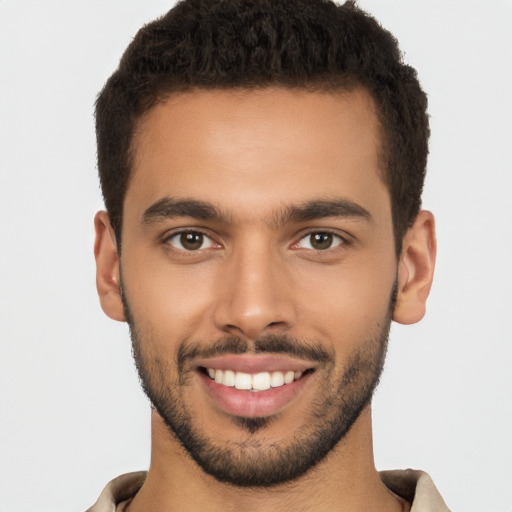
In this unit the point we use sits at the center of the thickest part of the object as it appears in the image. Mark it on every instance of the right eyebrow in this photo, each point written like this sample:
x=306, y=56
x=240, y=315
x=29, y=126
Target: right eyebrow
x=169, y=208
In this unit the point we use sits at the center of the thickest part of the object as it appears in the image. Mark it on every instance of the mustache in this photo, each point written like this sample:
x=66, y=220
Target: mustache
x=272, y=344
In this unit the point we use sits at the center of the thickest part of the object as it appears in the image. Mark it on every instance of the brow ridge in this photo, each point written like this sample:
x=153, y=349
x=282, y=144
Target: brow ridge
x=169, y=208
x=320, y=209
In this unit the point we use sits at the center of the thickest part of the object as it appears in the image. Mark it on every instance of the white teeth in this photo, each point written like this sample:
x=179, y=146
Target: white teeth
x=277, y=379
x=229, y=378
x=261, y=381
x=257, y=382
x=243, y=380
x=289, y=377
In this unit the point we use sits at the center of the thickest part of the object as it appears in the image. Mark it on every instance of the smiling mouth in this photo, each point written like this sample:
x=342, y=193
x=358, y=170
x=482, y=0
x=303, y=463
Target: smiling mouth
x=261, y=381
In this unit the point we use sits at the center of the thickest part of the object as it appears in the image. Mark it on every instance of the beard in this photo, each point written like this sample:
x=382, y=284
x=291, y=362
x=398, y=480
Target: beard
x=258, y=461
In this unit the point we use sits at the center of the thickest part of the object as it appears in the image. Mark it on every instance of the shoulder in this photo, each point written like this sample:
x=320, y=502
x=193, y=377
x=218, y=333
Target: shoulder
x=120, y=489
x=416, y=487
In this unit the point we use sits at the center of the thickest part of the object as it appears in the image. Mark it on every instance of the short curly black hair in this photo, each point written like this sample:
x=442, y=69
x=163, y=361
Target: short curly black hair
x=312, y=44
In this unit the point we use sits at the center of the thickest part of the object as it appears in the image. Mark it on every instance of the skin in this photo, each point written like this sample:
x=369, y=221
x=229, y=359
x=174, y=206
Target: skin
x=252, y=154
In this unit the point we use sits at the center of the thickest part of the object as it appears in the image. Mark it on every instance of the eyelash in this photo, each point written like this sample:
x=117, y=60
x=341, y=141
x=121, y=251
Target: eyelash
x=176, y=234
x=343, y=241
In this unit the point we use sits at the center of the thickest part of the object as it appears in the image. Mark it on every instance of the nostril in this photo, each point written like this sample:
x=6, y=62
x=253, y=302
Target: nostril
x=230, y=328
x=252, y=325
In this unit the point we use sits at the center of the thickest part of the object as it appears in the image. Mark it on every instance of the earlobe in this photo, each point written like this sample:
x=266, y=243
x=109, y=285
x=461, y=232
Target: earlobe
x=416, y=269
x=107, y=268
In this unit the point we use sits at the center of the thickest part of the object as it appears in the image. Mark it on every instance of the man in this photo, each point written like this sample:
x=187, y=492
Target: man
x=262, y=166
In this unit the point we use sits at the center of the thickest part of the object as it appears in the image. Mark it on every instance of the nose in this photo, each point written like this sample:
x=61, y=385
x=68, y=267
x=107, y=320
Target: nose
x=256, y=297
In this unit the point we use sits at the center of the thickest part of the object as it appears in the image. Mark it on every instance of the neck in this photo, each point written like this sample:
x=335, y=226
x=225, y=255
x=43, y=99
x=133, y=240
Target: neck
x=346, y=480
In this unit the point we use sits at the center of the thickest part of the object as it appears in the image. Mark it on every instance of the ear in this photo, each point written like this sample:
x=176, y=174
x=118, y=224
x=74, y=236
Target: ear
x=416, y=269
x=107, y=268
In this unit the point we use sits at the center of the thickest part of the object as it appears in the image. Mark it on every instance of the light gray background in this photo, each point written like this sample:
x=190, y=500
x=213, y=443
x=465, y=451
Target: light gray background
x=71, y=412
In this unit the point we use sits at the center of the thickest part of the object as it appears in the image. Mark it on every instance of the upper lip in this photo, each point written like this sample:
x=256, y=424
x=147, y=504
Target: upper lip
x=256, y=363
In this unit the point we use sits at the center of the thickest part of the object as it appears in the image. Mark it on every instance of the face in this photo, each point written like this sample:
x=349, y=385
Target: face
x=258, y=270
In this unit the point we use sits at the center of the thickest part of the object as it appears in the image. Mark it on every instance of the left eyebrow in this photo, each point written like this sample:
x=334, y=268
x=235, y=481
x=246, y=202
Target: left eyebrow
x=321, y=209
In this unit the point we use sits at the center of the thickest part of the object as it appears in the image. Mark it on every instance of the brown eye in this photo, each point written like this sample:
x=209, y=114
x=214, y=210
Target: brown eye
x=320, y=241
x=190, y=241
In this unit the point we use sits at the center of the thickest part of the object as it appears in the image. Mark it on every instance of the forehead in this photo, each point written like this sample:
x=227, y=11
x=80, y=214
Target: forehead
x=253, y=148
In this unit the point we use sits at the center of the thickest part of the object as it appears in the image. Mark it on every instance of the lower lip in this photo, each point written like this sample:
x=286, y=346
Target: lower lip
x=254, y=404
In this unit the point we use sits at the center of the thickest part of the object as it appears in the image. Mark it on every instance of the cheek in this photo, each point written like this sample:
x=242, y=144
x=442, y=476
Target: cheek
x=170, y=303
x=347, y=302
